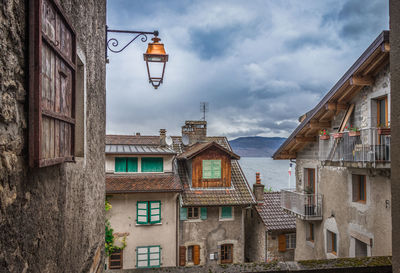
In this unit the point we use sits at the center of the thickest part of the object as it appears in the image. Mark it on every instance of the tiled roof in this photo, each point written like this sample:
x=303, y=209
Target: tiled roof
x=239, y=194
x=137, y=149
x=132, y=183
x=132, y=140
x=200, y=147
x=272, y=214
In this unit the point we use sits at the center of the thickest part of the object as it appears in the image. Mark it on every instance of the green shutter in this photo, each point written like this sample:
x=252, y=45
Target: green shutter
x=132, y=164
x=203, y=213
x=211, y=169
x=155, y=212
x=152, y=164
x=154, y=256
x=226, y=212
x=183, y=214
x=142, y=212
x=142, y=256
x=120, y=164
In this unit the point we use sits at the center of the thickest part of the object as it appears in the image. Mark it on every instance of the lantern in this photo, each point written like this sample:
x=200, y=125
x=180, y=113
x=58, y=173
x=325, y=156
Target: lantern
x=155, y=58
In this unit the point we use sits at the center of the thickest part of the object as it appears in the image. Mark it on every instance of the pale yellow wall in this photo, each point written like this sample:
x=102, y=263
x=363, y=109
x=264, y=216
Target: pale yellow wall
x=122, y=217
x=110, y=162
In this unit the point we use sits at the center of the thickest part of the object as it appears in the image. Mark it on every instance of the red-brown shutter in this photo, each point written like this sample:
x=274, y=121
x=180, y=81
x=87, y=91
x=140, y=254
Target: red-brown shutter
x=182, y=255
x=196, y=254
x=52, y=69
x=282, y=243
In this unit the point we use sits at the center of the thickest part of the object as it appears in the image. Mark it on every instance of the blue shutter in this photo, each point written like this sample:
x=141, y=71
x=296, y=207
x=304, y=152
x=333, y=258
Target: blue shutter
x=183, y=214
x=203, y=213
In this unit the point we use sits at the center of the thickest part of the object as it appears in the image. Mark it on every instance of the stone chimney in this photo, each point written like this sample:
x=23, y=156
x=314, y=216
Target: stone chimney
x=163, y=133
x=258, y=189
x=196, y=130
x=137, y=134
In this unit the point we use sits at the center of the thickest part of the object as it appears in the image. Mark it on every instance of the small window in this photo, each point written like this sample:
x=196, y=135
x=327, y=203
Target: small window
x=226, y=213
x=361, y=248
x=359, y=188
x=290, y=241
x=193, y=213
x=115, y=259
x=382, y=112
x=190, y=254
x=331, y=240
x=211, y=169
x=310, y=236
x=226, y=254
x=309, y=179
x=148, y=212
x=126, y=164
x=152, y=164
x=148, y=256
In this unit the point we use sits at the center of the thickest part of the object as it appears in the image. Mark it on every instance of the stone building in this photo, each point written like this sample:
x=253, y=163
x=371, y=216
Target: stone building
x=343, y=192
x=143, y=189
x=52, y=124
x=270, y=232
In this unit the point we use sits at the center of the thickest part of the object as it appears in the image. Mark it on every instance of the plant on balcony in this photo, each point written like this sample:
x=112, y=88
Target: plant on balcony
x=337, y=135
x=353, y=131
x=383, y=130
x=324, y=134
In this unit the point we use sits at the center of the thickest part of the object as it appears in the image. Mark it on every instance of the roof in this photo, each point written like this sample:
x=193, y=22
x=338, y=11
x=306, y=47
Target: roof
x=273, y=216
x=373, y=59
x=135, y=183
x=199, y=147
x=137, y=149
x=239, y=194
x=132, y=140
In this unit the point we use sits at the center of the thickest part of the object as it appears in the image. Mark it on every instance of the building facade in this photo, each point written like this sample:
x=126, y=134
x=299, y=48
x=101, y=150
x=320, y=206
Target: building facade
x=342, y=198
x=52, y=124
x=143, y=190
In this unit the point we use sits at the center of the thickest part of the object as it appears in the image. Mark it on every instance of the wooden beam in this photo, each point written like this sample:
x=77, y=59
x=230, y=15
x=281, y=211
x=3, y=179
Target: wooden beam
x=341, y=106
x=303, y=139
x=385, y=47
x=330, y=106
x=361, y=81
x=319, y=125
x=346, y=93
x=376, y=62
x=327, y=115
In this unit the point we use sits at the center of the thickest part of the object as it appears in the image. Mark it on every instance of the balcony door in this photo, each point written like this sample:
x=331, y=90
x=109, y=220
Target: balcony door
x=310, y=182
x=310, y=191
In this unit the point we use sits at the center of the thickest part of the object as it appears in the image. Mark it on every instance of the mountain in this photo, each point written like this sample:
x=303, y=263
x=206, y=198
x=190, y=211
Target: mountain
x=256, y=146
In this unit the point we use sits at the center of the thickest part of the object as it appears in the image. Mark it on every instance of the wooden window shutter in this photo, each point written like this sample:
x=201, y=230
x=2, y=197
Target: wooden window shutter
x=203, y=213
x=282, y=243
x=52, y=74
x=196, y=254
x=120, y=164
x=132, y=164
x=183, y=214
x=182, y=255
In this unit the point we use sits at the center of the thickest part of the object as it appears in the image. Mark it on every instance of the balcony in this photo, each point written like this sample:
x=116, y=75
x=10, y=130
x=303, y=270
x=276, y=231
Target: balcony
x=366, y=148
x=304, y=206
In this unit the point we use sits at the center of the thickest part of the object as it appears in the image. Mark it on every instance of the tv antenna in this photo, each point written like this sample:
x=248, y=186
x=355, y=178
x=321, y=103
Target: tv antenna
x=204, y=109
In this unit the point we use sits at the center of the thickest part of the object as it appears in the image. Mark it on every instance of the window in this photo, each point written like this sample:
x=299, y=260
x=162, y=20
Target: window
x=152, y=164
x=115, y=259
x=52, y=71
x=190, y=254
x=148, y=212
x=382, y=112
x=226, y=254
x=331, y=240
x=211, y=169
x=148, y=256
x=126, y=164
x=310, y=229
x=361, y=248
x=193, y=213
x=290, y=240
x=309, y=179
x=226, y=213
x=359, y=188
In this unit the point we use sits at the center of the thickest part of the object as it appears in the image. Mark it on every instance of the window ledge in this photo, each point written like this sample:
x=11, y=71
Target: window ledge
x=310, y=243
x=194, y=220
x=331, y=256
x=226, y=219
x=156, y=224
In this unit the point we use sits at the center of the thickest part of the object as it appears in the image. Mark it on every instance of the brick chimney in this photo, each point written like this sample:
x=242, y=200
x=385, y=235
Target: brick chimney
x=196, y=130
x=163, y=133
x=258, y=189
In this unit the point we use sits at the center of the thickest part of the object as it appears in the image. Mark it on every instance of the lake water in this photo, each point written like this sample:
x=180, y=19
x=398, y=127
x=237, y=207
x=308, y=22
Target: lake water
x=274, y=173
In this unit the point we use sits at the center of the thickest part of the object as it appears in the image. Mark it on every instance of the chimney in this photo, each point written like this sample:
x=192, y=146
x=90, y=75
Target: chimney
x=196, y=130
x=137, y=134
x=163, y=133
x=258, y=189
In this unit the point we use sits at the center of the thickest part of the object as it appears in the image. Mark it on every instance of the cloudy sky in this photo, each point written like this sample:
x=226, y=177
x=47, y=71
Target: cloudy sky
x=259, y=64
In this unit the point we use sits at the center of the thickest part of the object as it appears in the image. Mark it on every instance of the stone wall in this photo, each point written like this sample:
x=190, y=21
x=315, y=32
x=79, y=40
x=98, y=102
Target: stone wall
x=273, y=252
x=51, y=219
x=255, y=237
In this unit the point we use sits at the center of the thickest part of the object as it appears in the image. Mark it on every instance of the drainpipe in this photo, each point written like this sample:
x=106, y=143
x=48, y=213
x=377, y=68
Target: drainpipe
x=177, y=230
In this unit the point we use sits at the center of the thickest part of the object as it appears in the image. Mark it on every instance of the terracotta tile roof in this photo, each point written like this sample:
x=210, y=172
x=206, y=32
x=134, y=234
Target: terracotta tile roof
x=272, y=214
x=239, y=194
x=132, y=140
x=197, y=148
x=132, y=183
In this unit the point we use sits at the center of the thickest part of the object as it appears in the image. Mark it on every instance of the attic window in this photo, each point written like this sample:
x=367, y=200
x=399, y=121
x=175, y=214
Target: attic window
x=211, y=169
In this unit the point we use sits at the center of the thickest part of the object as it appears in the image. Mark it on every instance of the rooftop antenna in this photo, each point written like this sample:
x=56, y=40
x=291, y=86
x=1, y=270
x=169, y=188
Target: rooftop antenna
x=204, y=109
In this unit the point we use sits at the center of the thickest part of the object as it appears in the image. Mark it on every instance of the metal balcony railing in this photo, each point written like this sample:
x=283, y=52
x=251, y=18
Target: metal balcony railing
x=366, y=145
x=305, y=206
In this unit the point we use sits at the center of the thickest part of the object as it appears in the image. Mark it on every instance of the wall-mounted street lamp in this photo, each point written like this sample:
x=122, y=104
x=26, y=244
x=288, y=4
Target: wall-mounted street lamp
x=155, y=56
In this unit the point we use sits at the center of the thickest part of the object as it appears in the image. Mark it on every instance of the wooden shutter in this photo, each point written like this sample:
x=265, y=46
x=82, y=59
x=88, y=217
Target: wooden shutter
x=226, y=212
x=155, y=212
x=120, y=164
x=115, y=259
x=142, y=212
x=132, y=164
x=203, y=213
x=196, y=254
x=52, y=74
x=152, y=164
x=183, y=214
x=282, y=243
x=182, y=255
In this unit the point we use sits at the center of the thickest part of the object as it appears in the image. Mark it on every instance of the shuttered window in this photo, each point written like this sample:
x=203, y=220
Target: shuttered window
x=196, y=254
x=226, y=213
x=203, y=213
x=152, y=164
x=359, y=188
x=52, y=75
x=182, y=256
x=290, y=240
x=148, y=256
x=211, y=169
x=115, y=259
x=226, y=254
x=183, y=214
x=331, y=241
x=148, y=212
x=126, y=164
x=282, y=243
x=193, y=213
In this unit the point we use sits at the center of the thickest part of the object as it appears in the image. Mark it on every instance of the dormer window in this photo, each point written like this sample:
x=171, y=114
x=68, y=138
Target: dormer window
x=211, y=169
x=126, y=164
